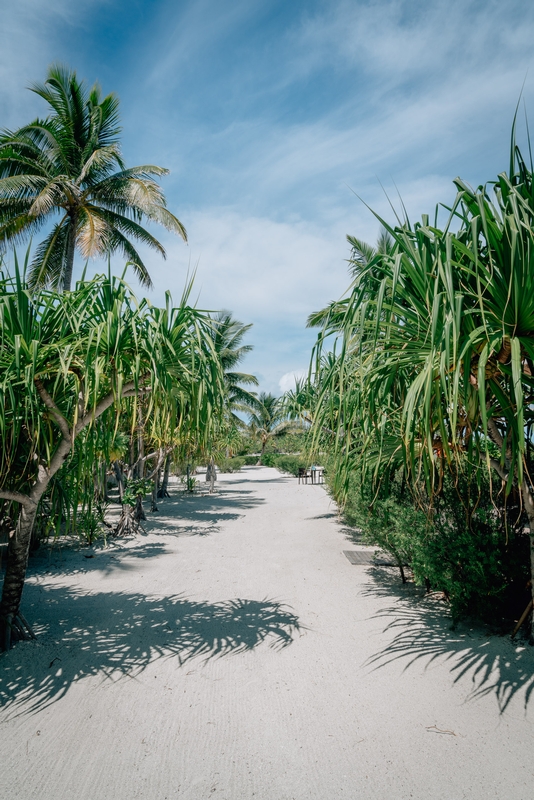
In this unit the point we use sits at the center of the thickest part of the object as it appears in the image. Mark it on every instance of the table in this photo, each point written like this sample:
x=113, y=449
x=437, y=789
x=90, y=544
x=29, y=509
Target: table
x=317, y=474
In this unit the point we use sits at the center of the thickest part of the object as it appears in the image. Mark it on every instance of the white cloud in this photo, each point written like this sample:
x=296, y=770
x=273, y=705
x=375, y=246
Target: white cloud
x=259, y=268
x=409, y=92
x=288, y=381
x=404, y=40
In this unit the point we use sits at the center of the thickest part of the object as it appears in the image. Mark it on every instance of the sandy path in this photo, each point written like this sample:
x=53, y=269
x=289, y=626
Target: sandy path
x=324, y=681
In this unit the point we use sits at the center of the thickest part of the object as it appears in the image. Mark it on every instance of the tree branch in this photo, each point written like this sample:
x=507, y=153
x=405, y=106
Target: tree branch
x=163, y=453
x=56, y=413
x=498, y=469
x=15, y=497
x=494, y=433
x=128, y=390
x=150, y=456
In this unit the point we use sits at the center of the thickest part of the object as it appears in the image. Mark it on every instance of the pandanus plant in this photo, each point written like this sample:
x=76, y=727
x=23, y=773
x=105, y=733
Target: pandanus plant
x=435, y=346
x=65, y=361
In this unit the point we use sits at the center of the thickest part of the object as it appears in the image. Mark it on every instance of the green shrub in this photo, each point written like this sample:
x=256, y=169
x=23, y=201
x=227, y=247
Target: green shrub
x=290, y=464
x=190, y=483
x=90, y=524
x=462, y=545
x=230, y=464
x=136, y=488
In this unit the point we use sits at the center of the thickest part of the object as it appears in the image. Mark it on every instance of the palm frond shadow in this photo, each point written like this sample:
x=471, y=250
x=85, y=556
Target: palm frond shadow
x=423, y=633
x=354, y=535
x=120, y=634
x=71, y=559
x=212, y=509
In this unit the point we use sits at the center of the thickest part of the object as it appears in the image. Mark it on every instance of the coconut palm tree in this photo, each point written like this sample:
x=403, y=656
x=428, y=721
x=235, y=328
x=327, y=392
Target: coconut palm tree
x=269, y=419
x=70, y=165
x=228, y=335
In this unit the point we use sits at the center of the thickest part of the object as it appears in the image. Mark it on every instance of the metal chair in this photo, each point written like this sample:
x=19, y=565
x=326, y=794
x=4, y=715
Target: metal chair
x=303, y=474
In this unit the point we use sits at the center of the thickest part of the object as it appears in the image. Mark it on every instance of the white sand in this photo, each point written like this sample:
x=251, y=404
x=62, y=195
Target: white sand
x=148, y=683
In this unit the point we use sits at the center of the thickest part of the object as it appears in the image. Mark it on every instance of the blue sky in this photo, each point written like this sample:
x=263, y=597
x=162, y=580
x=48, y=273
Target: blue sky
x=273, y=117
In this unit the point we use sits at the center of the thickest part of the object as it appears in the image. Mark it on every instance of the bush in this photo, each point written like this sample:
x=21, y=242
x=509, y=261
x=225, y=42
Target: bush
x=230, y=464
x=290, y=464
x=284, y=463
x=462, y=545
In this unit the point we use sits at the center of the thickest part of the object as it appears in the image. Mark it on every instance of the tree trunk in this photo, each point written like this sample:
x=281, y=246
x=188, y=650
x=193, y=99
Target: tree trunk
x=71, y=245
x=126, y=525
x=120, y=479
x=131, y=458
x=528, y=503
x=19, y=544
x=18, y=548
x=140, y=472
x=139, y=513
x=213, y=475
x=263, y=446
x=101, y=482
x=155, y=489
x=17, y=561
x=164, y=490
x=105, y=495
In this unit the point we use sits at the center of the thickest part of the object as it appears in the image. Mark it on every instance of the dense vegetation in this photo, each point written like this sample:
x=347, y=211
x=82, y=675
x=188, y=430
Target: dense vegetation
x=96, y=385
x=425, y=403
x=420, y=400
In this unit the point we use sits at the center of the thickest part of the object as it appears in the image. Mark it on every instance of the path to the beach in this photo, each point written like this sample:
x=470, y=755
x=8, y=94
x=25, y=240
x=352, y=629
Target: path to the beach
x=235, y=653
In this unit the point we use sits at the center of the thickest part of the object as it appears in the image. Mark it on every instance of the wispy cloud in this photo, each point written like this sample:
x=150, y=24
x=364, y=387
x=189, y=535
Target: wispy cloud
x=32, y=35
x=260, y=268
x=273, y=116
x=288, y=381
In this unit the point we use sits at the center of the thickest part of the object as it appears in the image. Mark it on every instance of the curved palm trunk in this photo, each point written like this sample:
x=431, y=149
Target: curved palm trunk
x=19, y=545
x=17, y=562
x=71, y=244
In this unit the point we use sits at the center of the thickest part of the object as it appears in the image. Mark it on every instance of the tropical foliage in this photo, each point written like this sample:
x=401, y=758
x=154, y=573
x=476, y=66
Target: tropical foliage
x=432, y=370
x=77, y=365
x=268, y=420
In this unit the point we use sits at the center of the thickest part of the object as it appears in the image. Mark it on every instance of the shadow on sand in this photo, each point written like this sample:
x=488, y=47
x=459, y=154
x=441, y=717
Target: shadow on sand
x=120, y=634
x=222, y=506
x=423, y=632
x=179, y=516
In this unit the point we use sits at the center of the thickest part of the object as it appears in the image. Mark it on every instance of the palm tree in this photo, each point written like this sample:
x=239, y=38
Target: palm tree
x=228, y=335
x=268, y=420
x=70, y=164
x=363, y=254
